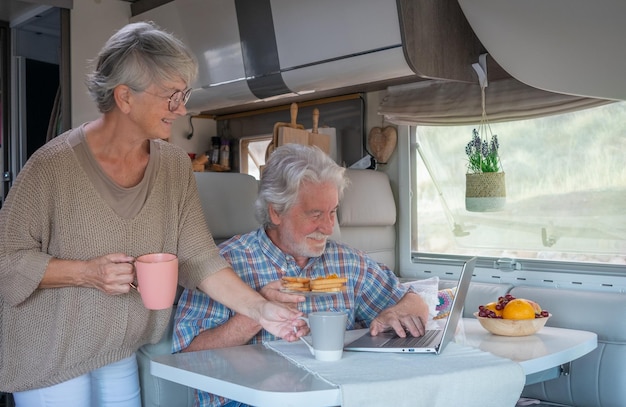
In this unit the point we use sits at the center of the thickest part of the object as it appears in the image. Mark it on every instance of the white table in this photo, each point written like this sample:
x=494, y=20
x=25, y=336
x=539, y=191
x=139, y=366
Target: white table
x=252, y=374
x=256, y=375
x=543, y=356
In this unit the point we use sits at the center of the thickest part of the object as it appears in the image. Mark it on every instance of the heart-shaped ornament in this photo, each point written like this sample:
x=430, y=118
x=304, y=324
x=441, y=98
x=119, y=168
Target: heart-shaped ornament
x=382, y=141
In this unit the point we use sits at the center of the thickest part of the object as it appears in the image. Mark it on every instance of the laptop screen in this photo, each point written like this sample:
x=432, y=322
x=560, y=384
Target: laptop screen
x=391, y=342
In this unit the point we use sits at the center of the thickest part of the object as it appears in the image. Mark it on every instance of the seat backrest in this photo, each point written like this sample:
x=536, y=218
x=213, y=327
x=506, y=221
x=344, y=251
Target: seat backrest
x=228, y=203
x=367, y=215
x=596, y=379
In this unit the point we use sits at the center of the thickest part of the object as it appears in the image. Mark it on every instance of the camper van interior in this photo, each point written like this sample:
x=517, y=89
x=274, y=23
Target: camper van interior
x=408, y=93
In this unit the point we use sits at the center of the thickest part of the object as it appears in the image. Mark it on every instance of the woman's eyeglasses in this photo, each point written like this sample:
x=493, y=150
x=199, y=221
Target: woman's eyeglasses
x=176, y=99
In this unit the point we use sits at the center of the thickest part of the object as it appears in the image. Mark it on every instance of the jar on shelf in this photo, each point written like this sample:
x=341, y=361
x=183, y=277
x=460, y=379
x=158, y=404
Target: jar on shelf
x=215, y=150
x=225, y=154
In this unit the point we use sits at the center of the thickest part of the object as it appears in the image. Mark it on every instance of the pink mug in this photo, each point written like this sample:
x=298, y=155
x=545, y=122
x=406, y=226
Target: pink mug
x=157, y=278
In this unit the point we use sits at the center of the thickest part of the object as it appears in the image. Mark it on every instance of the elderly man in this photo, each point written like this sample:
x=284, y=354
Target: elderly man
x=296, y=205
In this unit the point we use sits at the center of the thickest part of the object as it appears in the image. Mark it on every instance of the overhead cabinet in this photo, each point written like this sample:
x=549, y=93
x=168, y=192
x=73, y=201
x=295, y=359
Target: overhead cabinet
x=259, y=50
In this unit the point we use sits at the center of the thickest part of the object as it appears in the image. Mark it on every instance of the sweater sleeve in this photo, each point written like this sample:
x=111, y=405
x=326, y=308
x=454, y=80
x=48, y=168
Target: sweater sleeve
x=24, y=225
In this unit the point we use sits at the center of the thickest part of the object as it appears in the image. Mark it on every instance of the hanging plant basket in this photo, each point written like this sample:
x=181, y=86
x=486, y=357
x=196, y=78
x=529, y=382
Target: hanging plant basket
x=485, y=192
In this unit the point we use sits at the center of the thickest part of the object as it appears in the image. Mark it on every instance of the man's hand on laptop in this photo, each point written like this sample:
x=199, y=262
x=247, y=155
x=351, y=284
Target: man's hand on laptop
x=408, y=316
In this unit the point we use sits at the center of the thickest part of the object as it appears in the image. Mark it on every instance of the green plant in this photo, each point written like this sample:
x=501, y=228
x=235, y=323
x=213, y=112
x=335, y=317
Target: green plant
x=482, y=155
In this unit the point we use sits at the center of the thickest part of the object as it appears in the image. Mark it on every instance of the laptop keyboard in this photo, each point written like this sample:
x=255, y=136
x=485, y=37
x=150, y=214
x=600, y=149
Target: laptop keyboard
x=410, y=341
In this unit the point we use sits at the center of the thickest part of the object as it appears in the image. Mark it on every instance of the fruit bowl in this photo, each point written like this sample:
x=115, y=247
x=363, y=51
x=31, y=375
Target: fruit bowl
x=512, y=327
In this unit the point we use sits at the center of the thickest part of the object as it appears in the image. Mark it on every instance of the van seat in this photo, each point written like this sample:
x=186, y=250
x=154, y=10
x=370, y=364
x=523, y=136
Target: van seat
x=367, y=215
x=597, y=379
x=227, y=200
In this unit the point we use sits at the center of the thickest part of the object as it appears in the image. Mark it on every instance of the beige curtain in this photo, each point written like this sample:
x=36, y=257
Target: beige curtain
x=437, y=102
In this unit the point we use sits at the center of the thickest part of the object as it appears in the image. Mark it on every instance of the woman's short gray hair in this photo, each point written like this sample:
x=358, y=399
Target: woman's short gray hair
x=286, y=169
x=138, y=55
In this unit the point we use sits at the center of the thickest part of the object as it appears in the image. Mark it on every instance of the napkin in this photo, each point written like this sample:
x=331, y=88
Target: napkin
x=459, y=376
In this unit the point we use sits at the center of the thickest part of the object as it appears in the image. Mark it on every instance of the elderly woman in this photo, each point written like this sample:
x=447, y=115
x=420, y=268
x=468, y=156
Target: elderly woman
x=83, y=207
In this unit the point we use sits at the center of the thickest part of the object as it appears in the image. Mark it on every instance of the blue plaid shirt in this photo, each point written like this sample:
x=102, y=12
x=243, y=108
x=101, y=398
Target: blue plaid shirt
x=371, y=288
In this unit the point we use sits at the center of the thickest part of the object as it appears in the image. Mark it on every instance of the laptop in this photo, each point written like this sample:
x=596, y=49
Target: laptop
x=434, y=340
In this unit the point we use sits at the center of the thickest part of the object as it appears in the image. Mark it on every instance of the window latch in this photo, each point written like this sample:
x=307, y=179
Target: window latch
x=548, y=239
x=507, y=264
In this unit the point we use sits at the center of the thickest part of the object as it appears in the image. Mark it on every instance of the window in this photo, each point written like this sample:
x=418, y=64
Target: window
x=252, y=154
x=565, y=186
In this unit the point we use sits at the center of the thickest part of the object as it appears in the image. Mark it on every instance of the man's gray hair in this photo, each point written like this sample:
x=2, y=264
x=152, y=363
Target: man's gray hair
x=138, y=55
x=286, y=169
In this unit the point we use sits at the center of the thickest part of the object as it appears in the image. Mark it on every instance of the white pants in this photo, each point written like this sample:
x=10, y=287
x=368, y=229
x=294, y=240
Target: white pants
x=116, y=385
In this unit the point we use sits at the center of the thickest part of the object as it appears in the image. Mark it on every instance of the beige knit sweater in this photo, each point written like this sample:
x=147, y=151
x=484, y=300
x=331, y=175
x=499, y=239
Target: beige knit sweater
x=48, y=336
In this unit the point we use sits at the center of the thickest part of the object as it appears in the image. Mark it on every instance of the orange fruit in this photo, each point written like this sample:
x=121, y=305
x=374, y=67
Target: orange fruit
x=536, y=306
x=492, y=306
x=518, y=309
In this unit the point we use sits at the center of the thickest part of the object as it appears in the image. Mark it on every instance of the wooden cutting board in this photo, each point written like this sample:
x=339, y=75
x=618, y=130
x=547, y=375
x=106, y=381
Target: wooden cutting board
x=315, y=139
x=278, y=125
x=294, y=132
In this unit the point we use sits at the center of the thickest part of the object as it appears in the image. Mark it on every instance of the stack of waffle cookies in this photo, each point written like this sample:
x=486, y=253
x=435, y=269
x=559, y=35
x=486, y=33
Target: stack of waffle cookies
x=332, y=283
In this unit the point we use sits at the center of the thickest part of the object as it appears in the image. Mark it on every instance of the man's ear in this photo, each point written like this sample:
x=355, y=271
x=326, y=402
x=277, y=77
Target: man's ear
x=274, y=216
x=123, y=95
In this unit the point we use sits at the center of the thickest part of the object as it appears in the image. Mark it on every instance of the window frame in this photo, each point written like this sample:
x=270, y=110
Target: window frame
x=553, y=274
x=244, y=143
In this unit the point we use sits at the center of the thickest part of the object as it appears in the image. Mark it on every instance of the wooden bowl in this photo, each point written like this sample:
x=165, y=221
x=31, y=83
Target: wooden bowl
x=512, y=327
